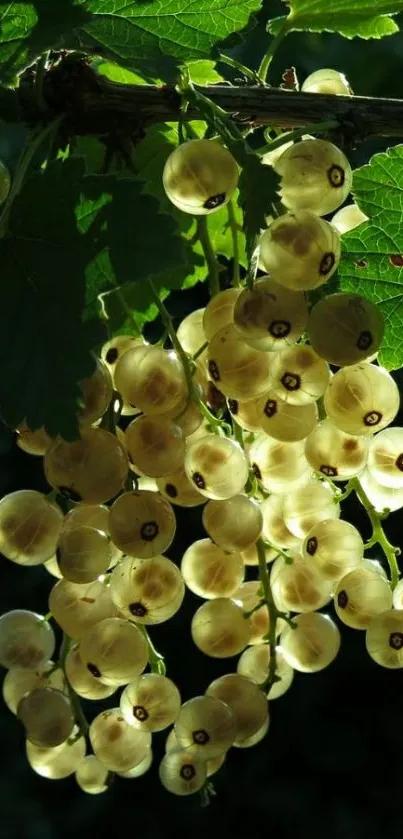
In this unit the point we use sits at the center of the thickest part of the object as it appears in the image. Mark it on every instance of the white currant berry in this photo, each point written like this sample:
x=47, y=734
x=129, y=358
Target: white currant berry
x=270, y=316
x=315, y=175
x=362, y=399
x=327, y=81
x=300, y=250
x=200, y=176
x=345, y=328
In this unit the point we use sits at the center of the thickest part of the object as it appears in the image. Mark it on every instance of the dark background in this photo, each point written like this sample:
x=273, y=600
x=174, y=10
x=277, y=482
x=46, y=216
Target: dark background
x=332, y=761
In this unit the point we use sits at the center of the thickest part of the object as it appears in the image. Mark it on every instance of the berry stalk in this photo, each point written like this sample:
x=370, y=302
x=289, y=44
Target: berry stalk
x=236, y=280
x=272, y=609
x=83, y=726
x=156, y=660
x=185, y=361
x=378, y=535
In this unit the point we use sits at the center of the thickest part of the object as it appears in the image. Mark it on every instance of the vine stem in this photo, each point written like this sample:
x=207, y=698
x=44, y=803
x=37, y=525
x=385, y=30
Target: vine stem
x=236, y=280
x=186, y=362
x=378, y=535
x=237, y=65
x=156, y=660
x=28, y=153
x=209, y=255
x=78, y=712
x=272, y=609
x=269, y=54
x=290, y=136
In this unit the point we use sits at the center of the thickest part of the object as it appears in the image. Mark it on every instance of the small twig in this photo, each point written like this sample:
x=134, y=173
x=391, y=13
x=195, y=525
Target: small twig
x=237, y=65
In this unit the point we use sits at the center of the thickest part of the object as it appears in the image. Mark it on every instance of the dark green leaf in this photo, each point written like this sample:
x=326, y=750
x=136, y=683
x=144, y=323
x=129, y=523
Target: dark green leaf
x=26, y=29
x=372, y=261
x=131, y=239
x=9, y=107
x=45, y=343
x=257, y=192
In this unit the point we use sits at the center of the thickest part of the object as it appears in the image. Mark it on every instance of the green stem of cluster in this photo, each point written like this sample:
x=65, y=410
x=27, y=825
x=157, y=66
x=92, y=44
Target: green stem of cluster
x=272, y=609
x=219, y=120
x=297, y=133
x=237, y=432
x=200, y=351
x=29, y=151
x=337, y=492
x=237, y=65
x=156, y=660
x=83, y=726
x=269, y=54
x=185, y=361
x=255, y=609
x=209, y=255
x=236, y=280
x=378, y=536
x=287, y=558
x=348, y=490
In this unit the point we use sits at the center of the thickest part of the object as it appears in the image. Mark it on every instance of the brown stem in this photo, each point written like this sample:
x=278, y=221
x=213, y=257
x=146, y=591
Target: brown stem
x=92, y=104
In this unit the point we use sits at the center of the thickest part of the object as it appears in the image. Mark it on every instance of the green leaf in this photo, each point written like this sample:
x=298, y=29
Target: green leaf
x=257, y=192
x=45, y=342
x=115, y=73
x=351, y=18
x=57, y=258
x=151, y=34
x=129, y=308
x=131, y=239
x=203, y=72
x=372, y=261
x=151, y=37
